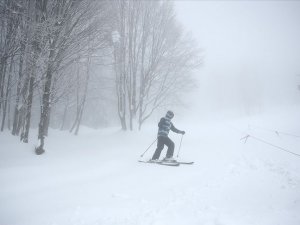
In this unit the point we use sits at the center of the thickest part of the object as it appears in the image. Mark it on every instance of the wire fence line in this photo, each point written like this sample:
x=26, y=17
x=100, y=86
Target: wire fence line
x=275, y=131
x=247, y=136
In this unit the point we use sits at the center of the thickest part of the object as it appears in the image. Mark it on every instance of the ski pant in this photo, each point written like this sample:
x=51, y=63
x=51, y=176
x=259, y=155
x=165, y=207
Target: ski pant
x=161, y=141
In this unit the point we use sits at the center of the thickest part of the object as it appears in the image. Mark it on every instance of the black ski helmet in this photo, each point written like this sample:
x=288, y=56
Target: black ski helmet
x=170, y=114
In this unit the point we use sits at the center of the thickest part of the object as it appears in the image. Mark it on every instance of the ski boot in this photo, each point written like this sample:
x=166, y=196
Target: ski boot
x=169, y=159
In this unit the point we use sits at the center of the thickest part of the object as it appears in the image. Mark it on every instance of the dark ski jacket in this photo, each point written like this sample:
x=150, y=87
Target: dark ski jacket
x=164, y=126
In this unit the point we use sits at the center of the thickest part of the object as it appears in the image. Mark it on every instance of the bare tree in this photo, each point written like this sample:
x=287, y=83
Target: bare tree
x=79, y=21
x=9, y=22
x=153, y=58
x=7, y=93
x=146, y=57
x=172, y=57
x=25, y=18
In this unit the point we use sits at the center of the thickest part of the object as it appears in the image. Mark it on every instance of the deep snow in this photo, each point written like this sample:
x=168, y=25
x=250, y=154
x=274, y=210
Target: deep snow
x=95, y=179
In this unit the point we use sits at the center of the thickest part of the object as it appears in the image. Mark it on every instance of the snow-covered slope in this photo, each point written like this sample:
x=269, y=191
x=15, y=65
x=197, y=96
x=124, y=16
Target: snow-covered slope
x=95, y=179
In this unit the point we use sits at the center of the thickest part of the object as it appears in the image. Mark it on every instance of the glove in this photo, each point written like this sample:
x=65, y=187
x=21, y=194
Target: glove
x=182, y=132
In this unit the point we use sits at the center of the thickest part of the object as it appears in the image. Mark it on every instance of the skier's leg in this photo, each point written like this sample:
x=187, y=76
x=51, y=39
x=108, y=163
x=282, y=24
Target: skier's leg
x=160, y=147
x=171, y=147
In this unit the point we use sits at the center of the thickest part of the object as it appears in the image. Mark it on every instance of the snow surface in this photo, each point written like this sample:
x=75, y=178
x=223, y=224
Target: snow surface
x=95, y=179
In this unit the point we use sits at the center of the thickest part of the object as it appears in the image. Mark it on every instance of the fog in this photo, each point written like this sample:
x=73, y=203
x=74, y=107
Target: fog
x=128, y=62
x=88, y=85
x=251, y=53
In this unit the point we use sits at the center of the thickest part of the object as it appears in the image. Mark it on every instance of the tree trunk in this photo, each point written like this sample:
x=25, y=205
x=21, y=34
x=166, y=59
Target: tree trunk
x=2, y=80
x=77, y=97
x=45, y=108
x=84, y=94
x=15, y=130
x=64, y=117
x=120, y=86
x=142, y=77
x=79, y=119
x=27, y=121
x=8, y=88
x=22, y=110
x=8, y=112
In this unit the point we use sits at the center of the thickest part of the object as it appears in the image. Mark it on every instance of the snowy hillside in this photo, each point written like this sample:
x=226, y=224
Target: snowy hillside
x=95, y=179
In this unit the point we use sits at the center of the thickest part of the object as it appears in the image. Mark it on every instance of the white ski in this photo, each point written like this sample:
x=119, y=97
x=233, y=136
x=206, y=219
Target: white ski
x=161, y=162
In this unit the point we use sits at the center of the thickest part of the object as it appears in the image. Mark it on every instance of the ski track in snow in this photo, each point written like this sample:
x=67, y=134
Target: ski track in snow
x=94, y=179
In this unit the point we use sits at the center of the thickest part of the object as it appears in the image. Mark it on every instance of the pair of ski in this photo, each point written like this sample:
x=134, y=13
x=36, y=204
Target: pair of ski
x=166, y=163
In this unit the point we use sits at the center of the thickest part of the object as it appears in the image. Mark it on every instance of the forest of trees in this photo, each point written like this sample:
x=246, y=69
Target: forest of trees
x=61, y=59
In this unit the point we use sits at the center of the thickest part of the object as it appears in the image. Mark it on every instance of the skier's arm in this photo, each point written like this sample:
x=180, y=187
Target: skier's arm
x=174, y=129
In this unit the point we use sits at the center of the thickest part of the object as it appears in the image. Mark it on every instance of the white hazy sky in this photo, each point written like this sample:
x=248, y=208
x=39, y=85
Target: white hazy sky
x=251, y=49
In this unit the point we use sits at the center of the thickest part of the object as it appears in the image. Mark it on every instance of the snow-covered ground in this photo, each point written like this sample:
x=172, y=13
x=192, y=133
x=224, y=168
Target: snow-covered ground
x=95, y=179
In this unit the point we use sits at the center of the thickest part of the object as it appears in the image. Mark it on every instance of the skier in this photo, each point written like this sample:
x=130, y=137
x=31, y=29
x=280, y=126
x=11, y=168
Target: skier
x=164, y=126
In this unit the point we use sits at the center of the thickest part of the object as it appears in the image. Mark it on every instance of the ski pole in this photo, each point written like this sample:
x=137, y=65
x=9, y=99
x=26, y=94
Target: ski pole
x=179, y=145
x=148, y=147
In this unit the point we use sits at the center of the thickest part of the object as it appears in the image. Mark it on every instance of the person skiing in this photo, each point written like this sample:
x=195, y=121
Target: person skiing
x=164, y=126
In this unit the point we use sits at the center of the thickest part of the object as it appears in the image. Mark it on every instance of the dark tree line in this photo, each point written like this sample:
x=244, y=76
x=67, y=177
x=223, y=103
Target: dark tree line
x=59, y=56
